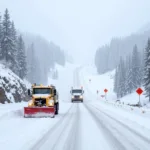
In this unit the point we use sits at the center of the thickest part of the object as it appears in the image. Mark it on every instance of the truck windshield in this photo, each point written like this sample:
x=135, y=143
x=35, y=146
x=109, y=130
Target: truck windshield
x=42, y=91
x=76, y=91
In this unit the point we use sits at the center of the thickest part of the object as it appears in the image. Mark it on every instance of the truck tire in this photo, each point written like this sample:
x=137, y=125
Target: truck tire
x=56, y=108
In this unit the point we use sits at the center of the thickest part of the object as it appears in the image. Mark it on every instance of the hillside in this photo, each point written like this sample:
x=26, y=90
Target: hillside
x=107, y=56
x=106, y=80
x=12, y=88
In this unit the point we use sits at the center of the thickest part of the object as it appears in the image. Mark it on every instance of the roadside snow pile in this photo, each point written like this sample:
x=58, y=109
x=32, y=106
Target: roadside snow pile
x=12, y=88
x=133, y=99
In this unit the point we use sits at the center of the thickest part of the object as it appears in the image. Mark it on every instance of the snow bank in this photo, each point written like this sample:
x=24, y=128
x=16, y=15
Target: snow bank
x=100, y=82
x=12, y=88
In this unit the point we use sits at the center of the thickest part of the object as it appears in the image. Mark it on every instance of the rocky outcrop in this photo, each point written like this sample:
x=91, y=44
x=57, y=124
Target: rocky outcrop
x=12, y=88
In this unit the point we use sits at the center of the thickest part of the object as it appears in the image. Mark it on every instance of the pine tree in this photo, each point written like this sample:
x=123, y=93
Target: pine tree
x=136, y=68
x=0, y=38
x=147, y=70
x=121, y=78
x=32, y=64
x=8, y=53
x=14, y=67
x=21, y=58
x=6, y=36
x=116, y=80
x=128, y=81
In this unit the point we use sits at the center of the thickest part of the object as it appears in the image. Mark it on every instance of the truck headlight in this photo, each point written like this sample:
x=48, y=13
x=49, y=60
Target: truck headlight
x=30, y=103
x=81, y=96
x=72, y=96
x=51, y=102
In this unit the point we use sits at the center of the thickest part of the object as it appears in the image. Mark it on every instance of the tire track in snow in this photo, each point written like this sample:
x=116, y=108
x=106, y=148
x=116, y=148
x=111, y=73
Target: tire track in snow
x=73, y=141
x=43, y=139
x=126, y=127
x=65, y=131
x=115, y=143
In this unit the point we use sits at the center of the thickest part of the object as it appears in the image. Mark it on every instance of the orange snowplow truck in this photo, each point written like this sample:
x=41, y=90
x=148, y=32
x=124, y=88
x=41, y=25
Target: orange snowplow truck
x=44, y=102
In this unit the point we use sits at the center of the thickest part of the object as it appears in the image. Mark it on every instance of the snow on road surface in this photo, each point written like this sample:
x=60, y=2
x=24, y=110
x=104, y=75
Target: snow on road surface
x=94, y=124
x=19, y=133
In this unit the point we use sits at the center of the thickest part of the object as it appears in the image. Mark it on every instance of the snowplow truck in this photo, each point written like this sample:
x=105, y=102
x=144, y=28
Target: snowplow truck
x=76, y=94
x=44, y=102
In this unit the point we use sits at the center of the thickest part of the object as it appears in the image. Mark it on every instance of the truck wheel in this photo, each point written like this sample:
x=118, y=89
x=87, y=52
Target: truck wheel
x=56, y=108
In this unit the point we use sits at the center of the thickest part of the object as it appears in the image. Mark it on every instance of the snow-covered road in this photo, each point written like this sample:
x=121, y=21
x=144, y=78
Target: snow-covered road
x=92, y=125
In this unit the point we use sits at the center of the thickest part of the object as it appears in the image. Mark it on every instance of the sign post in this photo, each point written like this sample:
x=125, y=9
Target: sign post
x=105, y=90
x=139, y=91
x=89, y=80
x=97, y=94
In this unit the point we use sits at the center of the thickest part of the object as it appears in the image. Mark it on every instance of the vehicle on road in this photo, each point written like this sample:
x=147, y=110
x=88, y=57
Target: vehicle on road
x=44, y=102
x=77, y=94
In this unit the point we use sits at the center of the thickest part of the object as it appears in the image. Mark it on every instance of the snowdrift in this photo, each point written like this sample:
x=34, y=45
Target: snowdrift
x=12, y=88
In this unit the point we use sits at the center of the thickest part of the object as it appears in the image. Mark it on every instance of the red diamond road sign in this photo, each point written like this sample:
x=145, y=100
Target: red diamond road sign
x=139, y=91
x=105, y=90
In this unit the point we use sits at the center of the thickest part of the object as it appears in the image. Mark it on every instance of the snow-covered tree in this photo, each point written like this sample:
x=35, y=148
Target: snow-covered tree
x=147, y=70
x=8, y=52
x=136, y=68
x=14, y=66
x=21, y=58
x=32, y=64
x=121, y=79
x=0, y=37
x=116, y=80
x=128, y=81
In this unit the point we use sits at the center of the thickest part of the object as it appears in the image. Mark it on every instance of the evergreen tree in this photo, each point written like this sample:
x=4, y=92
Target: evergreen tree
x=14, y=66
x=128, y=81
x=136, y=68
x=121, y=78
x=31, y=64
x=0, y=38
x=147, y=70
x=116, y=80
x=21, y=58
x=8, y=53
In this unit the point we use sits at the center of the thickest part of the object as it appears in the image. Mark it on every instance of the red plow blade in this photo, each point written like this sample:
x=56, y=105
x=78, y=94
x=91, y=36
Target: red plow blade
x=39, y=112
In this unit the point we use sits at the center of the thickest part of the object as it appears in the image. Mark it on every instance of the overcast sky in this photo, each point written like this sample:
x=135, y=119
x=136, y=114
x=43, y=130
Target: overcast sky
x=79, y=26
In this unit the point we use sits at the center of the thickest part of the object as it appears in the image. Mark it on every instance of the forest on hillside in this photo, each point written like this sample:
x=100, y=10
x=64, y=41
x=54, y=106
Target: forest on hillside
x=27, y=55
x=130, y=57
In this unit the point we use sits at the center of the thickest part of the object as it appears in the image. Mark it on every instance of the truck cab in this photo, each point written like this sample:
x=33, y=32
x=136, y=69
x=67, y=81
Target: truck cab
x=43, y=97
x=77, y=94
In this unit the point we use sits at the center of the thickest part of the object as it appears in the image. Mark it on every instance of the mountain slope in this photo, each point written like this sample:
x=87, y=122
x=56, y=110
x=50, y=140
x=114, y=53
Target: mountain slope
x=12, y=88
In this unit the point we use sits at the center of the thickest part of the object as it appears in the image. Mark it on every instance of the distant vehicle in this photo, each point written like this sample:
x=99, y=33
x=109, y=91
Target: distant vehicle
x=77, y=94
x=44, y=102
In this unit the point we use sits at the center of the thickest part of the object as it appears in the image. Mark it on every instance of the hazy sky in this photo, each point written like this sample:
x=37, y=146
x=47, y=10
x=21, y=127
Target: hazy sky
x=79, y=26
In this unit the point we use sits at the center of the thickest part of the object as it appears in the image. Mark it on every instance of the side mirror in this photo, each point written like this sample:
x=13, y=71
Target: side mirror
x=55, y=92
x=82, y=92
x=29, y=92
x=70, y=92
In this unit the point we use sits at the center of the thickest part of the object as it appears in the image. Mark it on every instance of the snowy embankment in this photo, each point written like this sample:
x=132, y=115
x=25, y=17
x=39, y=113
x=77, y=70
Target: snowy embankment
x=12, y=88
x=19, y=133
x=100, y=82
